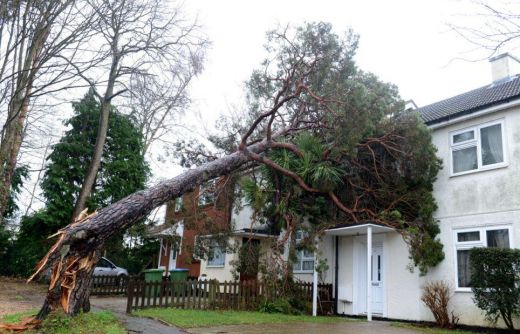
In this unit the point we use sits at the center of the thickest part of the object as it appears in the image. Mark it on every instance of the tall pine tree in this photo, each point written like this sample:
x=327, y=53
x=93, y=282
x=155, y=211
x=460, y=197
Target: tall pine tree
x=123, y=171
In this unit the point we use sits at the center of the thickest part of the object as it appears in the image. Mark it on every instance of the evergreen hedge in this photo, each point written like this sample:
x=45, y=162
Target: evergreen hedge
x=495, y=280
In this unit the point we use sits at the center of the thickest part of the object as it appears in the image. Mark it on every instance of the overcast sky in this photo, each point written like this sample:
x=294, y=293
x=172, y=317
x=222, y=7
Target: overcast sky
x=404, y=42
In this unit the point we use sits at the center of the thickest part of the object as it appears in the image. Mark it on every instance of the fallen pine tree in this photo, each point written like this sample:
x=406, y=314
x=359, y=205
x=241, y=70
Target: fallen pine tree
x=314, y=88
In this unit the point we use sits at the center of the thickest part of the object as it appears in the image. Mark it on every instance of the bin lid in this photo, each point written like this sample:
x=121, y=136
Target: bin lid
x=180, y=269
x=158, y=270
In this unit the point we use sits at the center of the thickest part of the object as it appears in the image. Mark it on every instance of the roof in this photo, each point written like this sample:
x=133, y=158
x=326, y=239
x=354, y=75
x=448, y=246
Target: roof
x=358, y=229
x=467, y=103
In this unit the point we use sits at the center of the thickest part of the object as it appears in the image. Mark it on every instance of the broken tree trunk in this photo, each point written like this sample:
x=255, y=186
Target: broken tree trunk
x=77, y=250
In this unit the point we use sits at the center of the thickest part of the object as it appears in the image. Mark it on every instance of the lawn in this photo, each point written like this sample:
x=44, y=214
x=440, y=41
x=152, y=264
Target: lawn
x=102, y=322
x=203, y=318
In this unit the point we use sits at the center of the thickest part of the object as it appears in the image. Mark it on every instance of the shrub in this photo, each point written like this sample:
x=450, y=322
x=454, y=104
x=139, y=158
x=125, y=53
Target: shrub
x=495, y=280
x=436, y=295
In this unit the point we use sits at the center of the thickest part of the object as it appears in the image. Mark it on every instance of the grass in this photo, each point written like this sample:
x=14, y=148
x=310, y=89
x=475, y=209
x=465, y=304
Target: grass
x=429, y=330
x=102, y=322
x=203, y=318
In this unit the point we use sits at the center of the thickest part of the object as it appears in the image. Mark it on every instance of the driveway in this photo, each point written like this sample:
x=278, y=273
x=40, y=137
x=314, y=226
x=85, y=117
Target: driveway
x=18, y=296
x=134, y=325
x=354, y=327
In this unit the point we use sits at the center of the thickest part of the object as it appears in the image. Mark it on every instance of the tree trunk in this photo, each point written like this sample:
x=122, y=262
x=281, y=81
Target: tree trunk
x=10, y=146
x=90, y=177
x=75, y=253
x=93, y=168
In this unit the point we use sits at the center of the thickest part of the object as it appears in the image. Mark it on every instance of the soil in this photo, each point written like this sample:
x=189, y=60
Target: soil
x=17, y=296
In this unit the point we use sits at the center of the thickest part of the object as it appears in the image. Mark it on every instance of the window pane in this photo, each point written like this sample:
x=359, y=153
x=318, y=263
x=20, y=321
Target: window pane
x=458, y=138
x=463, y=270
x=218, y=257
x=178, y=204
x=308, y=265
x=468, y=236
x=465, y=159
x=498, y=238
x=491, y=140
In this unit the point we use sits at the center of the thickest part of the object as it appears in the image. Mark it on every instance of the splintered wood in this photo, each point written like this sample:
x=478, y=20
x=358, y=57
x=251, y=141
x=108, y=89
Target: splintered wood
x=68, y=282
x=24, y=325
x=65, y=270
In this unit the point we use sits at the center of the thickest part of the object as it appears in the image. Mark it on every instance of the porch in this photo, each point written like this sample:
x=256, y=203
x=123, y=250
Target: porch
x=358, y=260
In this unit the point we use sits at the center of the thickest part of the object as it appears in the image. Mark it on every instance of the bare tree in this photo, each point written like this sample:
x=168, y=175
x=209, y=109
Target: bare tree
x=491, y=26
x=148, y=41
x=35, y=38
x=156, y=106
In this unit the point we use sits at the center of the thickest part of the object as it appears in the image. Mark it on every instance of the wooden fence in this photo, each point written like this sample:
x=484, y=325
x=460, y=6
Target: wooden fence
x=109, y=285
x=193, y=294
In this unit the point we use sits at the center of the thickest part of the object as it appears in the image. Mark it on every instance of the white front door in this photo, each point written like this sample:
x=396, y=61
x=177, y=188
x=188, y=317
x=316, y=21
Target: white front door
x=376, y=279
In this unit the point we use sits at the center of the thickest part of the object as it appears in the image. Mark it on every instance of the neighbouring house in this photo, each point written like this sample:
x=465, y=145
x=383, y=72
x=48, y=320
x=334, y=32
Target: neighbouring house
x=199, y=212
x=207, y=215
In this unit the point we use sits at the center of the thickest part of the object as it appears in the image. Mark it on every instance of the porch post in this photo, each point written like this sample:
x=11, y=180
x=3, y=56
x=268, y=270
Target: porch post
x=160, y=253
x=315, y=285
x=369, y=273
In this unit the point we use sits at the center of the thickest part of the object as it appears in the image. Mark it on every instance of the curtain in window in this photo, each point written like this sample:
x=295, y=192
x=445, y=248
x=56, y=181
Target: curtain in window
x=463, y=268
x=491, y=139
x=217, y=256
x=498, y=238
x=465, y=159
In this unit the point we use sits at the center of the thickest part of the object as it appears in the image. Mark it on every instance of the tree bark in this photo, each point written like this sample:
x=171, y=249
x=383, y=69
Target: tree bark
x=90, y=177
x=77, y=250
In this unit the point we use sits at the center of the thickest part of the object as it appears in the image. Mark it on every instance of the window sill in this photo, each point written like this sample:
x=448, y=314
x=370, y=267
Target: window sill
x=466, y=290
x=483, y=169
x=216, y=266
x=303, y=271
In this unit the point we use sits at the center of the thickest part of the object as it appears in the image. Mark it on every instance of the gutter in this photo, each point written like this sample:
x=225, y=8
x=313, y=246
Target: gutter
x=482, y=112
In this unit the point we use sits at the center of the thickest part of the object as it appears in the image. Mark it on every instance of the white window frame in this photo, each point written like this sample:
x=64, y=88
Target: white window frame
x=223, y=250
x=177, y=205
x=299, y=237
x=482, y=242
x=476, y=142
x=203, y=192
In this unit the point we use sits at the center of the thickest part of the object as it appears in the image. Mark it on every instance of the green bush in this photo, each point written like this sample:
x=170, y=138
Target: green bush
x=280, y=305
x=495, y=280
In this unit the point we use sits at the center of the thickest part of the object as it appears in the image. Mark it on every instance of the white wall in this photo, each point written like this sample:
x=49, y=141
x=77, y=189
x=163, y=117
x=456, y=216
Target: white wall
x=223, y=273
x=477, y=199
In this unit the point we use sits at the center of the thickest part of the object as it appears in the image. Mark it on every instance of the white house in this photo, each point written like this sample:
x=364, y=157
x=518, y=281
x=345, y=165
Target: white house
x=477, y=135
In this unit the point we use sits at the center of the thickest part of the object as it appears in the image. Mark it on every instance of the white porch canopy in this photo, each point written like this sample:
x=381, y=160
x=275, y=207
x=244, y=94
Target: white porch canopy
x=354, y=230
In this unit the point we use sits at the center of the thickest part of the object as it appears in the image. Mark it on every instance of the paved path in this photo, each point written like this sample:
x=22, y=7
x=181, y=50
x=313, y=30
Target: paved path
x=133, y=325
x=354, y=327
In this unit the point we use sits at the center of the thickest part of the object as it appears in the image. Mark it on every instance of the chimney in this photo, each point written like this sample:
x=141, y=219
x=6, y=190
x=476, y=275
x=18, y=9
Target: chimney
x=503, y=67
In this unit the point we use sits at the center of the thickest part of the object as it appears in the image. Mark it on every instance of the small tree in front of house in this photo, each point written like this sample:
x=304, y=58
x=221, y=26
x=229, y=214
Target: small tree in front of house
x=495, y=280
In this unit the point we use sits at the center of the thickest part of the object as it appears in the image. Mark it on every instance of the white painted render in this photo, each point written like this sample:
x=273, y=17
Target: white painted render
x=225, y=272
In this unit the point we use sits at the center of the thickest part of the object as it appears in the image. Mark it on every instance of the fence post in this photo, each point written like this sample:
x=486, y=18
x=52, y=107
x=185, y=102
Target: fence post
x=130, y=298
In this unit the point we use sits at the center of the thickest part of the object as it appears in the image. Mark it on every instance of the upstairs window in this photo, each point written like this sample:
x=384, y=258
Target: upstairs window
x=178, y=204
x=207, y=193
x=477, y=148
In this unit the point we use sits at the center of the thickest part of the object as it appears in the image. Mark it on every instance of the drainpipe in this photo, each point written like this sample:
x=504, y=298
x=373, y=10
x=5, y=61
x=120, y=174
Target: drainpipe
x=336, y=273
